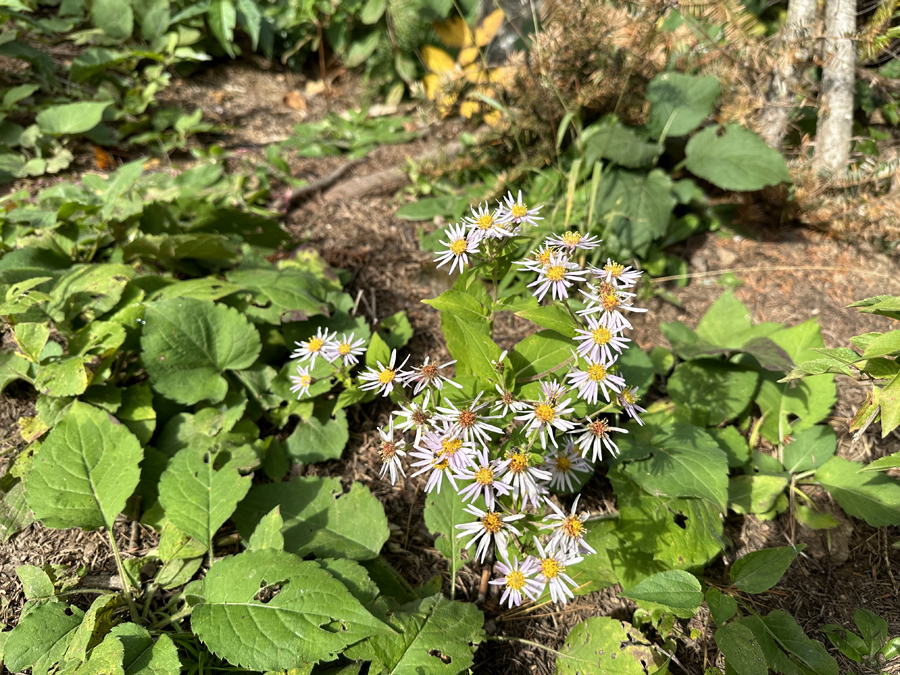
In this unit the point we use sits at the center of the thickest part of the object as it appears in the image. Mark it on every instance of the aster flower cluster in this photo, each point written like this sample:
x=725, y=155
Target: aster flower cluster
x=341, y=352
x=504, y=452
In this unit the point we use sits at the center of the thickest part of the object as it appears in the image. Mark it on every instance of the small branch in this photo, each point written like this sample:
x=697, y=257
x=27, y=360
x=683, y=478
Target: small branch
x=301, y=194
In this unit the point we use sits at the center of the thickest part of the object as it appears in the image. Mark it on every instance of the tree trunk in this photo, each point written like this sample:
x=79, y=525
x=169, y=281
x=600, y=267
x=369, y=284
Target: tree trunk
x=835, y=127
x=794, y=43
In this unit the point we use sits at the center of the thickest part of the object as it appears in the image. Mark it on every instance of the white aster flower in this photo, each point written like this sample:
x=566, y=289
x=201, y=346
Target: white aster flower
x=610, y=302
x=594, y=436
x=562, y=463
x=516, y=471
x=428, y=374
x=448, y=445
x=619, y=275
x=516, y=212
x=507, y=403
x=557, y=276
x=573, y=241
x=598, y=341
x=469, y=421
x=546, y=416
x=484, y=223
x=518, y=580
x=490, y=525
x=345, y=349
x=301, y=381
x=459, y=246
x=384, y=377
x=437, y=464
x=311, y=348
x=592, y=379
x=628, y=399
x=552, y=390
x=391, y=451
x=415, y=416
x=568, y=530
x=538, y=260
x=483, y=474
x=553, y=563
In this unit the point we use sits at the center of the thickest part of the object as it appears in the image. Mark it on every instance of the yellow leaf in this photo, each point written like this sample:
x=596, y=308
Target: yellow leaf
x=488, y=28
x=431, y=83
x=467, y=56
x=493, y=118
x=454, y=32
x=500, y=75
x=469, y=108
x=476, y=74
x=437, y=60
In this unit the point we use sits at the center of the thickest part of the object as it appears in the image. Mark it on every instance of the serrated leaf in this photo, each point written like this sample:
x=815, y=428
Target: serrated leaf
x=267, y=533
x=316, y=441
x=462, y=305
x=65, y=377
x=143, y=656
x=30, y=339
x=44, y=632
x=96, y=619
x=280, y=295
x=673, y=588
x=741, y=649
x=199, y=496
x=71, y=118
x=85, y=471
x=283, y=631
x=603, y=645
x=319, y=517
x=873, y=497
x=736, y=159
x=758, y=571
x=188, y=344
x=482, y=352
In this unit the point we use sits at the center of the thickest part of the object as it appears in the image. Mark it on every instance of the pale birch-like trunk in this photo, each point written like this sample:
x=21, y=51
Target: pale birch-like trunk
x=835, y=127
x=794, y=45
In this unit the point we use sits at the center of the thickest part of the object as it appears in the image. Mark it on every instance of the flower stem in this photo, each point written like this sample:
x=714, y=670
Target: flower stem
x=126, y=587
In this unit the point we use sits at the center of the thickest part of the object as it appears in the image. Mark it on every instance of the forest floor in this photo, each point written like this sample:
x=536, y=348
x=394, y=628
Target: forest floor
x=789, y=275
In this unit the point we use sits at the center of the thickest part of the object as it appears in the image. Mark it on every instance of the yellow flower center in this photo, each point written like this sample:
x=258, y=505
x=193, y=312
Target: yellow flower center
x=544, y=256
x=563, y=465
x=571, y=238
x=314, y=344
x=491, y=522
x=614, y=269
x=544, y=413
x=441, y=465
x=459, y=246
x=573, y=527
x=629, y=397
x=450, y=446
x=515, y=580
x=611, y=302
x=556, y=273
x=550, y=568
x=386, y=376
x=485, y=221
x=601, y=335
x=518, y=462
x=519, y=210
x=484, y=476
x=596, y=372
x=305, y=380
x=344, y=349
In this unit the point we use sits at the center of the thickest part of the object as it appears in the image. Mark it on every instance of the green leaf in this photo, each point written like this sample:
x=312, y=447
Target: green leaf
x=760, y=570
x=681, y=461
x=784, y=630
x=809, y=449
x=65, y=377
x=113, y=17
x=887, y=344
x=396, y=330
x=30, y=339
x=268, y=532
x=741, y=649
x=319, y=518
x=88, y=291
x=371, y=11
x=71, y=118
x=155, y=17
x=679, y=103
x=206, y=288
x=603, y=645
x=36, y=585
x=553, y=317
x=143, y=656
x=443, y=512
x=813, y=519
x=188, y=344
x=754, y=493
x=362, y=49
x=638, y=207
x=251, y=20
x=222, y=18
x=177, y=545
x=95, y=618
x=280, y=295
x=737, y=160
x=717, y=389
x=620, y=144
x=733, y=445
x=43, y=633
x=434, y=635
x=85, y=471
x=873, y=497
x=315, y=441
x=482, y=352
x=889, y=399
x=248, y=629
x=200, y=490
x=884, y=463
x=674, y=588
x=14, y=512
x=459, y=304
x=137, y=412
x=721, y=606
x=542, y=352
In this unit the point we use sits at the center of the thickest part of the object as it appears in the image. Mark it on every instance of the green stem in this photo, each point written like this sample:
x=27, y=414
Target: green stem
x=126, y=587
x=186, y=612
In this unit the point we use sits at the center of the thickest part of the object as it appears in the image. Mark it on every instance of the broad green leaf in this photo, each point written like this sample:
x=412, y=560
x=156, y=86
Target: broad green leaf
x=721, y=606
x=206, y=288
x=371, y=11
x=362, y=49
x=595, y=571
x=462, y=305
x=251, y=20
x=813, y=519
x=280, y=295
x=482, y=353
x=727, y=323
x=71, y=118
x=396, y=330
x=638, y=207
x=98, y=338
x=12, y=367
x=222, y=18
x=314, y=441
x=143, y=656
x=200, y=490
x=614, y=141
x=155, y=17
x=248, y=627
x=85, y=471
x=45, y=632
x=267, y=533
x=113, y=17
x=319, y=518
x=36, y=585
x=356, y=578
x=884, y=463
x=754, y=493
x=679, y=103
x=637, y=369
x=733, y=444
x=681, y=461
x=104, y=659
x=736, y=159
x=809, y=449
x=553, y=317
x=137, y=412
x=758, y=571
x=717, y=390
x=14, y=512
x=540, y=353
x=889, y=399
x=434, y=635
x=604, y=645
x=674, y=588
x=784, y=630
x=88, y=291
x=443, y=512
x=874, y=497
x=188, y=344
x=30, y=339
x=177, y=545
x=64, y=377
x=883, y=345
x=741, y=649
x=95, y=618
